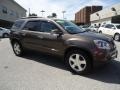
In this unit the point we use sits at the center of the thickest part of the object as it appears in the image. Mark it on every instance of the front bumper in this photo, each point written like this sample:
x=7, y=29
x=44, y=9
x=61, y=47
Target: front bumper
x=103, y=56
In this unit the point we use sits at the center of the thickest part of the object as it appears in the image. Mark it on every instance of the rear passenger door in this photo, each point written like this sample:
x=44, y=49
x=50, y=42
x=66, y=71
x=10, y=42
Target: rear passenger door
x=32, y=35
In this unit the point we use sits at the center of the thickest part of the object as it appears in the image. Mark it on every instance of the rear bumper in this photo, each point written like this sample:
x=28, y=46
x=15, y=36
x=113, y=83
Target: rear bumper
x=104, y=56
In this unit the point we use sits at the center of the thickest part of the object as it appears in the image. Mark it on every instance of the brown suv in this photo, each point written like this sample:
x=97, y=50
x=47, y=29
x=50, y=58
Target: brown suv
x=81, y=49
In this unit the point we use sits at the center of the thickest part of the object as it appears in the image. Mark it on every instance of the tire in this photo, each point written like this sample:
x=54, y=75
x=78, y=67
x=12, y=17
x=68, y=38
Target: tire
x=82, y=65
x=117, y=37
x=94, y=31
x=17, y=48
x=100, y=32
x=5, y=35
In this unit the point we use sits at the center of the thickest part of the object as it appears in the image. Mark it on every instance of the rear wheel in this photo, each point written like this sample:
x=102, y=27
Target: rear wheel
x=117, y=37
x=100, y=31
x=78, y=62
x=17, y=48
x=5, y=35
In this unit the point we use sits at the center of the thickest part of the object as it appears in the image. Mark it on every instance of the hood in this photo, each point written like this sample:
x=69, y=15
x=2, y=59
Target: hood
x=93, y=36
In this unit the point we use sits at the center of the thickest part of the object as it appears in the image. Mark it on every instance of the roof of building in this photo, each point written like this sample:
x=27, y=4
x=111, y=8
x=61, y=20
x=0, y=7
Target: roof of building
x=107, y=12
x=18, y=4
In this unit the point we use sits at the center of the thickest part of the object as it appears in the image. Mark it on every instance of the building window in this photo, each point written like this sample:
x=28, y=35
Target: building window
x=11, y=12
x=4, y=9
x=0, y=8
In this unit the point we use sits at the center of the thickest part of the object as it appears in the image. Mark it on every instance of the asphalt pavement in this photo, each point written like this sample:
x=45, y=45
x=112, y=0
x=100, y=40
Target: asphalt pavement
x=36, y=71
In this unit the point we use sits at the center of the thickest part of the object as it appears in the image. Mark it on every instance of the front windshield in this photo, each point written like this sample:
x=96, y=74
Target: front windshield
x=70, y=27
x=118, y=26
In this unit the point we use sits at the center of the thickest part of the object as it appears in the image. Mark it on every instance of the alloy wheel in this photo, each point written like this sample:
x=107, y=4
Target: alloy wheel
x=77, y=62
x=17, y=48
x=117, y=37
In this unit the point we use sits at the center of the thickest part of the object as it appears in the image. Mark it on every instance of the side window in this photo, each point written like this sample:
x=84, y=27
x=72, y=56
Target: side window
x=17, y=24
x=102, y=25
x=48, y=26
x=109, y=26
x=33, y=26
x=112, y=27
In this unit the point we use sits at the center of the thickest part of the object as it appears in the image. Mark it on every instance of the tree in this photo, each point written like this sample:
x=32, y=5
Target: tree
x=54, y=15
x=33, y=14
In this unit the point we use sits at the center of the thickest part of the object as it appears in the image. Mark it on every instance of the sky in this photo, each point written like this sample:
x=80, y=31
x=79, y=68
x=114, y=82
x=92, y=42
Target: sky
x=57, y=6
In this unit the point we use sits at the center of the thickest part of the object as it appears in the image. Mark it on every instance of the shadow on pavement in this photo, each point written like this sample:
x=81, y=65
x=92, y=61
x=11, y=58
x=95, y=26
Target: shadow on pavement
x=45, y=59
x=109, y=73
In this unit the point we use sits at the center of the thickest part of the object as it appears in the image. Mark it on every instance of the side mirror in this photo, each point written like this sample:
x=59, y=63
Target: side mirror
x=56, y=31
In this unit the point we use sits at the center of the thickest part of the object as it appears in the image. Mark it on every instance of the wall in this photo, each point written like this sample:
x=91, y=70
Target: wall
x=83, y=16
x=14, y=11
x=105, y=15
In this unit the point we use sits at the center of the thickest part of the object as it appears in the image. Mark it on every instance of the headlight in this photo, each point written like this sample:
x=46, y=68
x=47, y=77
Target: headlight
x=102, y=44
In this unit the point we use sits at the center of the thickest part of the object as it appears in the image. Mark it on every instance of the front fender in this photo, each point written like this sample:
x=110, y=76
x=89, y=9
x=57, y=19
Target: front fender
x=80, y=43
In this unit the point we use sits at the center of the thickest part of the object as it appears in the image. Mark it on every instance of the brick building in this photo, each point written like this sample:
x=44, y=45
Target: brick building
x=83, y=16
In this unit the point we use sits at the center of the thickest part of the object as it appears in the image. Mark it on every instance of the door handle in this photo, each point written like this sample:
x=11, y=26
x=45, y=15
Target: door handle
x=41, y=37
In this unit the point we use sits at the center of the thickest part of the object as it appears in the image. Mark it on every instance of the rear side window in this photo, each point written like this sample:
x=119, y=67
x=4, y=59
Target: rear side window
x=41, y=26
x=17, y=24
x=33, y=26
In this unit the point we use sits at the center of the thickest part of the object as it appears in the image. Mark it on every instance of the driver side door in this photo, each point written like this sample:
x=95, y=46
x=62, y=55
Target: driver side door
x=52, y=42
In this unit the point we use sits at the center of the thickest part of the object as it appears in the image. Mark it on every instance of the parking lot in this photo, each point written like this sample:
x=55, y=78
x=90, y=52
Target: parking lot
x=36, y=71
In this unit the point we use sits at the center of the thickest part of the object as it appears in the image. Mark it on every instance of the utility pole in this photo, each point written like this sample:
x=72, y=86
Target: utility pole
x=42, y=12
x=63, y=14
x=29, y=12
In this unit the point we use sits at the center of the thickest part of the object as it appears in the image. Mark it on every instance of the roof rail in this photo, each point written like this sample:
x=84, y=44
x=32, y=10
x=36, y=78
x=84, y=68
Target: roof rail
x=30, y=17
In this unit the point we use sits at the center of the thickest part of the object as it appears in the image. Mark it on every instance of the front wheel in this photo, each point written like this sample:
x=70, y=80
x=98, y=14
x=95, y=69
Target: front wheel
x=78, y=62
x=100, y=32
